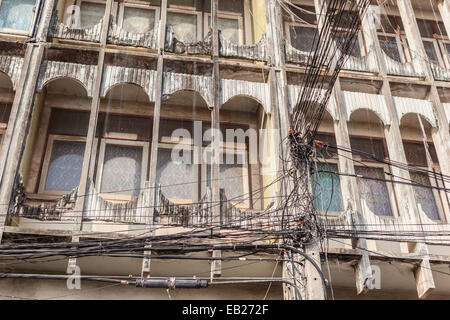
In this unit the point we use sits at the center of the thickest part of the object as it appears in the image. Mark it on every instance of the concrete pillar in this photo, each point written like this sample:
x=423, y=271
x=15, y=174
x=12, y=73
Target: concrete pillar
x=15, y=137
x=444, y=10
x=87, y=171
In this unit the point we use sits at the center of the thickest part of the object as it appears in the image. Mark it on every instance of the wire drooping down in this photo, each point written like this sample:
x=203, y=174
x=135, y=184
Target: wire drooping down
x=338, y=24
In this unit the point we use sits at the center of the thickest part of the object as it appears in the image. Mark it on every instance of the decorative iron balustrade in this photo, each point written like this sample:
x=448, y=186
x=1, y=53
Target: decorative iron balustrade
x=255, y=51
x=60, y=30
x=44, y=211
x=120, y=36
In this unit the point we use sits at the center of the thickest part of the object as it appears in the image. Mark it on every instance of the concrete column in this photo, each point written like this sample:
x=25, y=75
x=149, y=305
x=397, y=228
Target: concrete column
x=444, y=10
x=153, y=192
x=350, y=193
x=215, y=115
x=16, y=133
x=87, y=171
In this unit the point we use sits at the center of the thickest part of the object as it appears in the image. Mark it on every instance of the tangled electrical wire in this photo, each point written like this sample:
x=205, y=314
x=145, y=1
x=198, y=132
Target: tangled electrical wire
x=331, y=46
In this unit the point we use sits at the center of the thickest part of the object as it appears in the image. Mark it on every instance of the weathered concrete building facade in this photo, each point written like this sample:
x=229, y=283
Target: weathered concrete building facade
x=91, y=92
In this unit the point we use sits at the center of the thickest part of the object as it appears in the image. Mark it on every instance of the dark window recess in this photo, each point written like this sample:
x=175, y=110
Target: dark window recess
x=234, y=6
x=328, y=139
x=125, y=124
x=305, y=13
x=304, y=38
x=428, y=28
x=390, y=46
x=389, y=24
x=197, y=4
x=374, y=147
x=73, y=123
x=5, y=111
x=415, y=153
x=346, y=19
x=167, y=127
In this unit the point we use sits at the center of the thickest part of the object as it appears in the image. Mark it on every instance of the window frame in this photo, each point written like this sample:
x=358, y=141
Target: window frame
x=334, y=161
x=437, y=51
x=100, y=164
x=230, y=16
x=3, y=127
x=47, y=157
x=437, y=199
x=192, y=11
x=142, y=6
x=389, y=187
x=444, y=52
x=287, y=26
x=402, y=45
x=73, y=3
x=194, y=177
x=18, y=31
x=237, y=150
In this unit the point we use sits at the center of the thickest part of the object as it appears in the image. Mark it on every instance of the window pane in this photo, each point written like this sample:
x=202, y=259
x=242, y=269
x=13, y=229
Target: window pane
x=328, y=139
x=70, y=123
x=415, y=153
x=390, y=47
x=66, y=161
x=229, y=29
x=303, y=39
x=375, y=193
x=5, y=111
x=185, y=3
x=175, y=177
x=431, y=51
x=122, y=169
x=424, y=196
x=373, y=147
x=231, y=179
x=325, y=185
x=138, y=20
x=184, y=26
x=16, y=14
x=389, y=24
x=340, y=39
x=425, y=28
x=447, y=48
x=137, y=127
x=234, y=6
x=305, y=13
x=91, y=13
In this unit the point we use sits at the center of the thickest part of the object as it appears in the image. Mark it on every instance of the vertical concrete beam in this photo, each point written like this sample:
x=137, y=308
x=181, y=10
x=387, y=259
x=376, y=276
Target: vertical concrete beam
x=444, y=10
x=314, y=286
x=87, y=171
x=20, y=117
x=350, y=193
x=216, y=264
x=152, y=192
x=215, y=115
x=292, y=272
